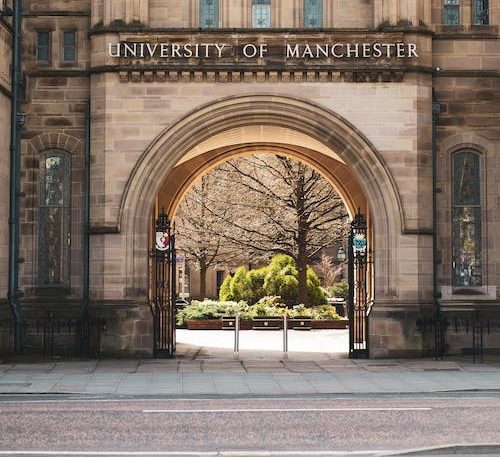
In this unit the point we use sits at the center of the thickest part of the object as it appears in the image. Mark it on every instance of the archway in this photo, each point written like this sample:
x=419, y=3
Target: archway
x=330, y=135
x=177, y=185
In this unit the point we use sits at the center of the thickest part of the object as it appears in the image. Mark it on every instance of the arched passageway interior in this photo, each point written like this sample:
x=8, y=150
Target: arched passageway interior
x=252, y=141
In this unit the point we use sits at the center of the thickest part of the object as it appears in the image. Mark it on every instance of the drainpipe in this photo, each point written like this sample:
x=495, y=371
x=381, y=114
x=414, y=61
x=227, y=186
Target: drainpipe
x=436, y=111
x=86, y=218
x=17, y=121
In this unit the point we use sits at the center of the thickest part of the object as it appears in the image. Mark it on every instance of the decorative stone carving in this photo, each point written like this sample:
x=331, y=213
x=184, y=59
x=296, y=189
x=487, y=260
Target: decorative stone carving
x=160, y=76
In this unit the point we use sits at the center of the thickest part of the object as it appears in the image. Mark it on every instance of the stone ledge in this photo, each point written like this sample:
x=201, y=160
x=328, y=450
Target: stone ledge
x=175, y=76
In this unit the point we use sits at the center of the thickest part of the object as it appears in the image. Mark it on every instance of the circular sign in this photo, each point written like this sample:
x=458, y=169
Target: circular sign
x=162, y=241
x=359, y=242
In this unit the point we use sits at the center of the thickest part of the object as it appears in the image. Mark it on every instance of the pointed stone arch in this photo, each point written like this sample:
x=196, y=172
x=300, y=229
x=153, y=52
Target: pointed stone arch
x=320, y=124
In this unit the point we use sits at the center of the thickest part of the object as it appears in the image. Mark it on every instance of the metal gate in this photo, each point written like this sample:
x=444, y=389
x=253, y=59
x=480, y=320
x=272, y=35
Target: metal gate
x=359, y=288
x=163, y=293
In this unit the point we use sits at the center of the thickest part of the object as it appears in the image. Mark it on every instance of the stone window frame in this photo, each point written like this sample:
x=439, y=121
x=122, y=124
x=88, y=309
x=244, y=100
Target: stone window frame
x=65, y=284
x=63, y=62
x=486, y=17
x=481, y=153
x=255, y=3
x=455, y=4
x=321, y=17
x=200, y=15
x=36, y=147
x=47, y=62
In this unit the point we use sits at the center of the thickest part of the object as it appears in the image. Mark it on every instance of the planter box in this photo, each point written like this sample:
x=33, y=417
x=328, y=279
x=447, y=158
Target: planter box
x=300, y=324
x=330, y=324
x=228, y=323
x=206, y=324
x=267, y=323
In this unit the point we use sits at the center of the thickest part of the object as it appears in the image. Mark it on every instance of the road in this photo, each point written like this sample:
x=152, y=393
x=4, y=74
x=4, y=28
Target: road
x=307, y=426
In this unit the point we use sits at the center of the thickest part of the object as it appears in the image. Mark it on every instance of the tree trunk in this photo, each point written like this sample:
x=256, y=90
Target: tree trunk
x=203, y=279
x=302, y=227
x=302, y=277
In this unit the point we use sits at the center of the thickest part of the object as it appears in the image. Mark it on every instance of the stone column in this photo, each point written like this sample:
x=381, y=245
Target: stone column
x=385, y=12
x=128, y=11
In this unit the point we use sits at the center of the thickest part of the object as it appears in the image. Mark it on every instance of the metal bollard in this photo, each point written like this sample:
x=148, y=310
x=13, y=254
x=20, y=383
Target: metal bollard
x=237, y=337
x=285, y=337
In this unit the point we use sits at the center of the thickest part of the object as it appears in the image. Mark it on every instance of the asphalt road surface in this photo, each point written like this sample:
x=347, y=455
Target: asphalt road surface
x=306, y=426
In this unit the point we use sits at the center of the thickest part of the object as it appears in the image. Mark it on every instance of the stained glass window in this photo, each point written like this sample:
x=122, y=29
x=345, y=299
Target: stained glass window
x=467, y=226
x=313, y=14
x=209, y=14
x=480, y=12
x=451, y=12
x=54, y=220
x=261, y=14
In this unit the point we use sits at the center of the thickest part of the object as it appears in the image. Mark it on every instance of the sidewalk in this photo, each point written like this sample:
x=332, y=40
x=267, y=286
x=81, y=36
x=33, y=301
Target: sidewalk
x=249, y=376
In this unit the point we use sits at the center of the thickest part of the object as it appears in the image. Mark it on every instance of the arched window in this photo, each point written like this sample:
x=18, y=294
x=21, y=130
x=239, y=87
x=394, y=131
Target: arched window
x=261, y=14
x=313, y=14
x=54, y=219
x=480, y=12
x=209, y=14
x=467, y=226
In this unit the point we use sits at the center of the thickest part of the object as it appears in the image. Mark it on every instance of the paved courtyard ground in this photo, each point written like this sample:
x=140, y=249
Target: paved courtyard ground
x=314, y=345
x=205, y=365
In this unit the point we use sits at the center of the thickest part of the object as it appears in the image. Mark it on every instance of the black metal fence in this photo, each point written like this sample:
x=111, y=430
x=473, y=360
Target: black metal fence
x=53, y=337
x=472, y=324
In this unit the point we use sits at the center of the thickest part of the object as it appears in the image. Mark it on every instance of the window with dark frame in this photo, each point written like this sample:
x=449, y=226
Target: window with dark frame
x=451, y=13
x=69, y=47
x=480, y=12
x=209, y=14
x=54, y=220
x=43, y=47
x=466, y=219
x=261, y=14
x=313, y=14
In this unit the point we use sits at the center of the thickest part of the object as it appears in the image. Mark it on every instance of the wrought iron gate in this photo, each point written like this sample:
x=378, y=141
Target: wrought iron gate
x=163, y=285
x=359, y=288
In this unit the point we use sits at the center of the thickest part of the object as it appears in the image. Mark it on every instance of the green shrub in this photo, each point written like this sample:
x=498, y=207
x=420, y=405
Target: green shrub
x=266, y=307
x=279, y=278
x=256, y=280
x=225, y=293
x=240, y=286
x=314, y=290
x=339, y=290
x=211, y=309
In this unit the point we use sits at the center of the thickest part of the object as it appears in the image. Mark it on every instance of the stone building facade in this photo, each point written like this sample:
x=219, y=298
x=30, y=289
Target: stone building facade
x=347, y=86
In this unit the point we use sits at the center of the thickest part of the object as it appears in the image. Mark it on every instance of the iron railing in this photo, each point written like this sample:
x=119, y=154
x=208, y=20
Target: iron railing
x=471, y=323
x=53, y=337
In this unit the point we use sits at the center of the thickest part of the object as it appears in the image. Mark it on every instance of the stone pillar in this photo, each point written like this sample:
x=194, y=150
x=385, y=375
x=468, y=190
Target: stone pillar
x=402, y=12
x=97, y=12
x=127, y=11
x=386, y=12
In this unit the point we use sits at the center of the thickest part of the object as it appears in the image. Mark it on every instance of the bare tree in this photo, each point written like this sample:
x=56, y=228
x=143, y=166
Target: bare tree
x=279, y=205
x=200, y=234
x=329, y=269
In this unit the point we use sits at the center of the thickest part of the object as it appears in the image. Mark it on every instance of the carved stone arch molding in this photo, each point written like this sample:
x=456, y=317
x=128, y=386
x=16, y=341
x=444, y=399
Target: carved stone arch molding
x=60, y=141
x=454, y=143
x=303, y=116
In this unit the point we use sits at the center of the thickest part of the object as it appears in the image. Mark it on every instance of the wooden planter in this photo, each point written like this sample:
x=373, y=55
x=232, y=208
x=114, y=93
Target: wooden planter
x=330, y=324
x=214, y=324
x=205, y=324
x=267, y=323
x=229, y=323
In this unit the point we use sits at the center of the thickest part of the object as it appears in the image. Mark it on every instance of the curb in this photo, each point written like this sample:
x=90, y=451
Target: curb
x=460, y=449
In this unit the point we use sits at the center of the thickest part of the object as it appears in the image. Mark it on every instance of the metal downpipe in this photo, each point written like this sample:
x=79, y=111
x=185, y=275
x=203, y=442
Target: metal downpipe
x=14, y=295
